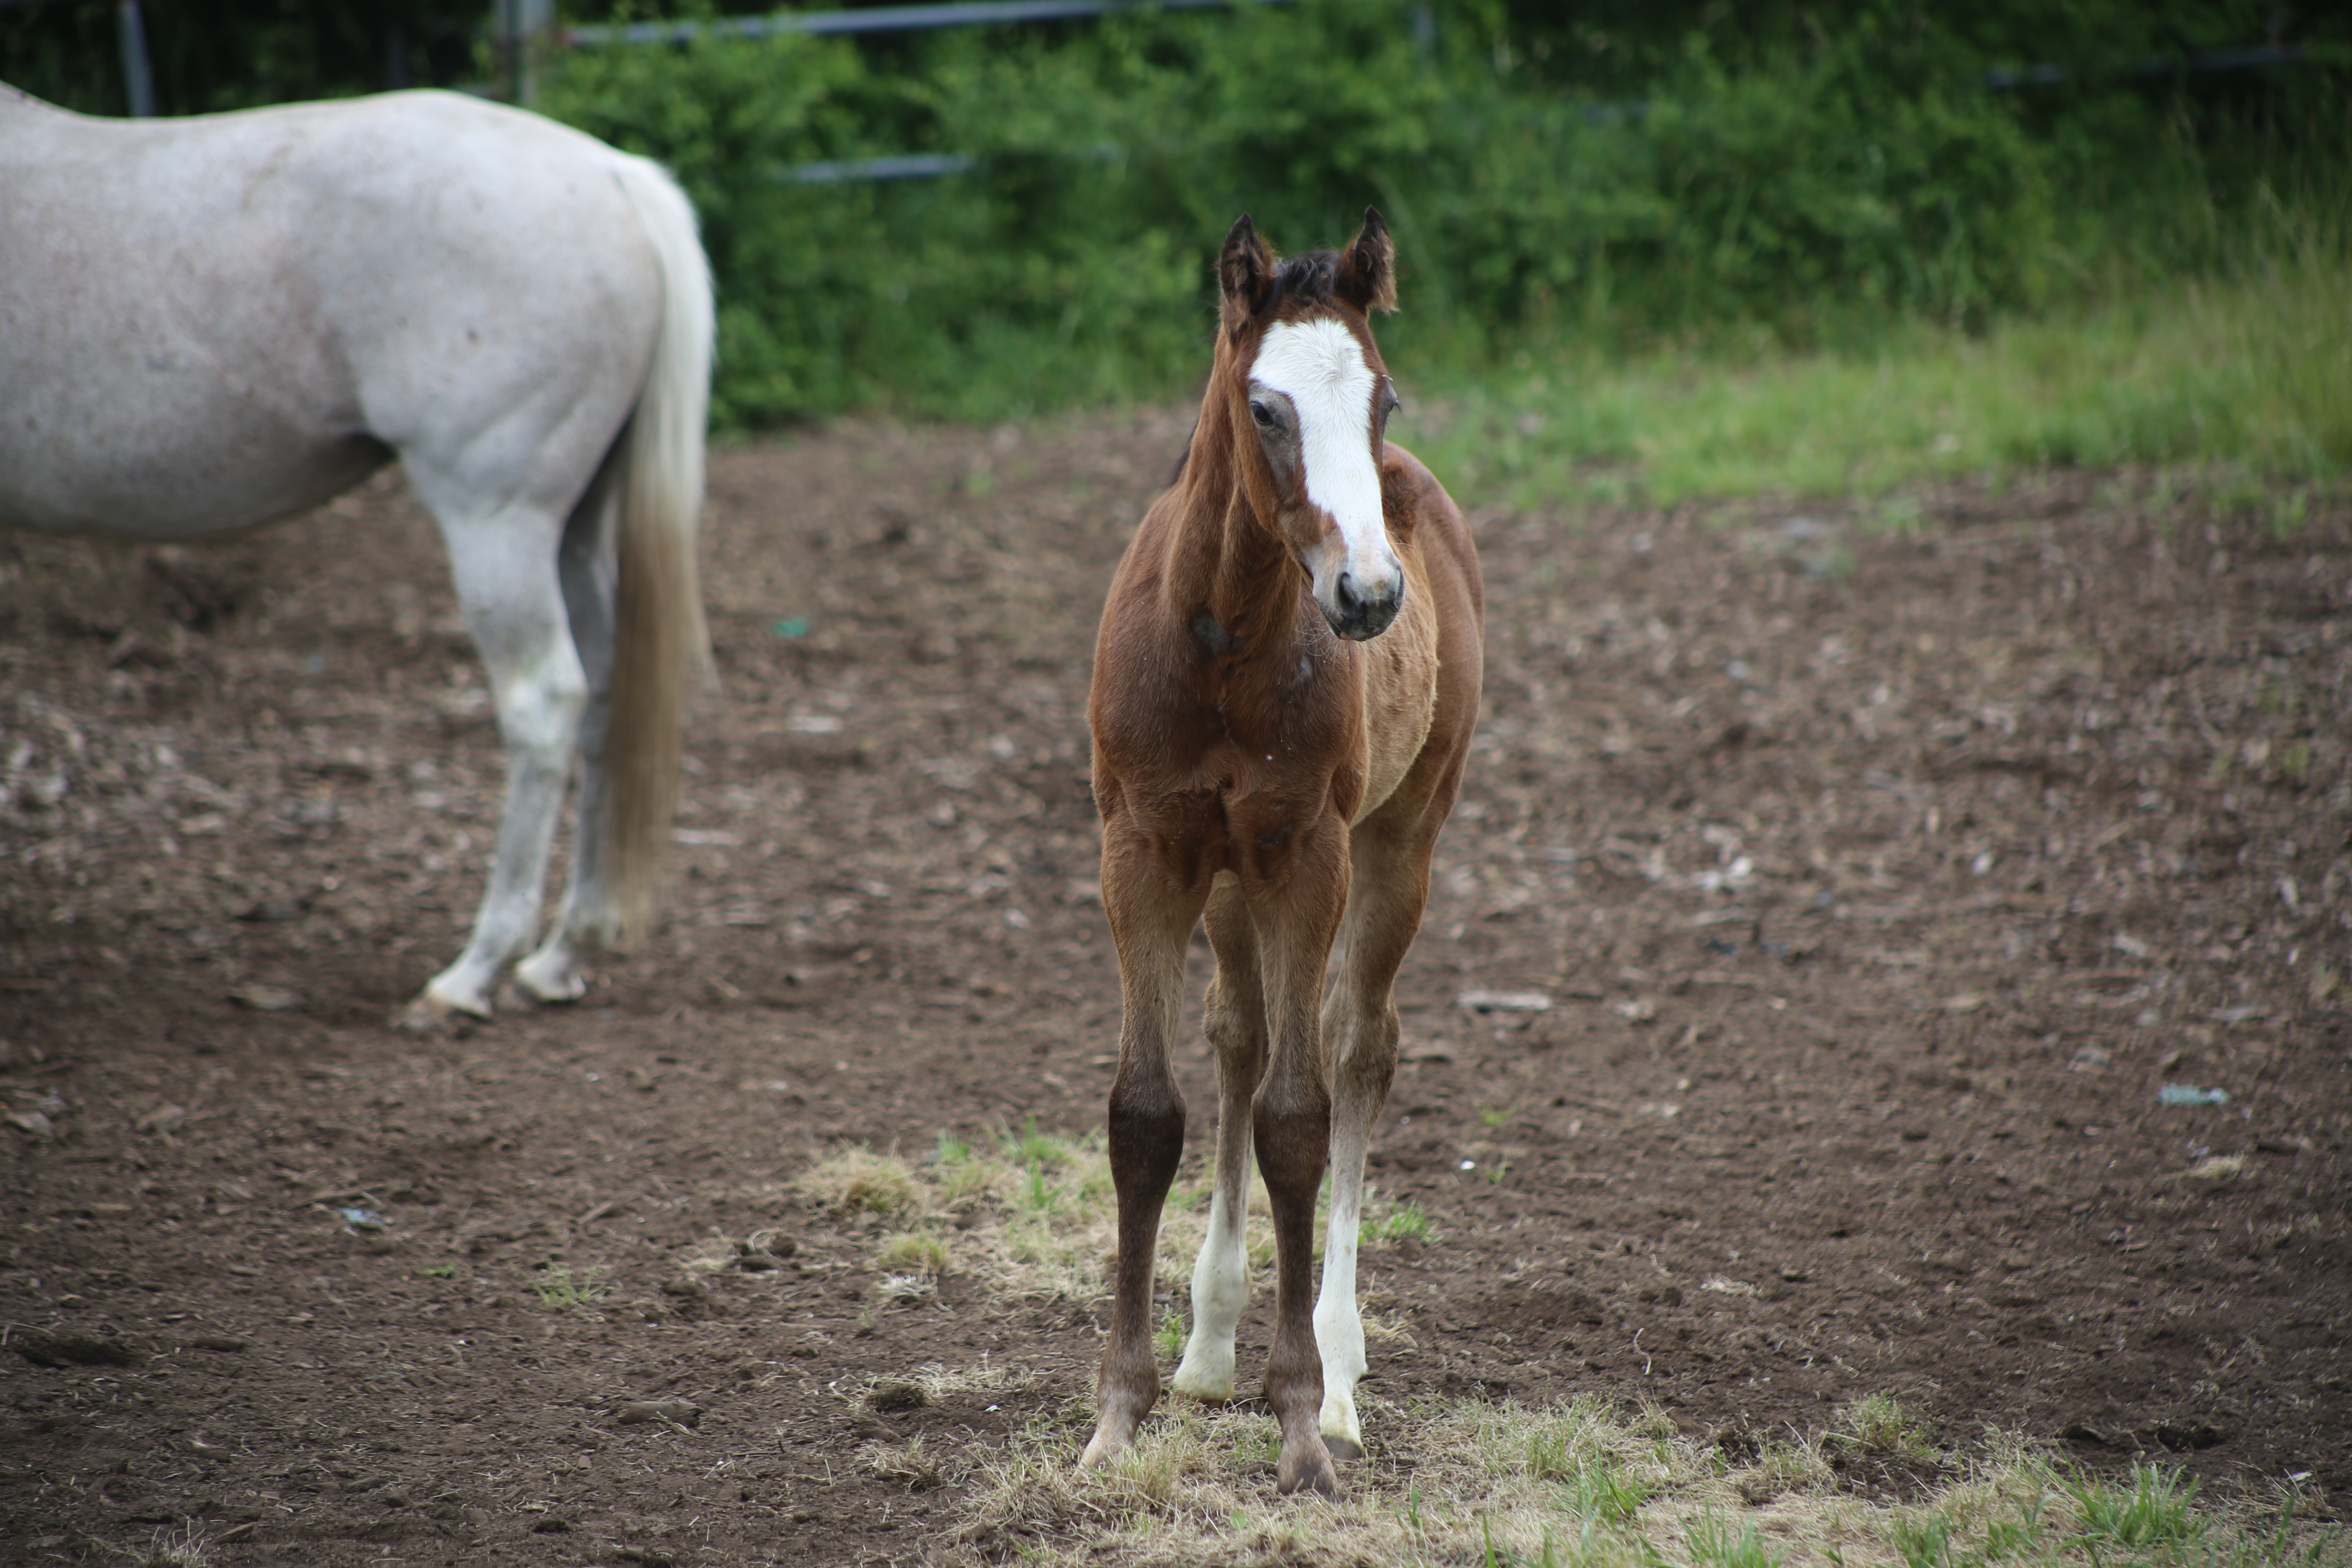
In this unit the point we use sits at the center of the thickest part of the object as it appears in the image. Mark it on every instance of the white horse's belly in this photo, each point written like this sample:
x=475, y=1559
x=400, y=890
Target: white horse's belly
x=209, y=324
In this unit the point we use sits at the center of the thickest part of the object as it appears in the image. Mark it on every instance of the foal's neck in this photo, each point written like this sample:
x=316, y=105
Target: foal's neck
x=1227, y=562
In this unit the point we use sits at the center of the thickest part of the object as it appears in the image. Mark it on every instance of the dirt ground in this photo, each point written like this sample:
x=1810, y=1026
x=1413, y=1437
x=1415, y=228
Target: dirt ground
x=1878, y=882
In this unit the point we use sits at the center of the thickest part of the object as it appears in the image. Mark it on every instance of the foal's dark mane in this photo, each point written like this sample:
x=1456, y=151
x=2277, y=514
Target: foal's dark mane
x=1307, y=278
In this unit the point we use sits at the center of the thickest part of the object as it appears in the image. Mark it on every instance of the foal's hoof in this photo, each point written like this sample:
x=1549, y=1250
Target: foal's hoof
x=1342, y=1449
x=1307, y=1472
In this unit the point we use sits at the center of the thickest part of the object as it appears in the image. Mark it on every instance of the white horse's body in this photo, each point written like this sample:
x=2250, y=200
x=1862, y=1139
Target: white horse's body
x=211, y=323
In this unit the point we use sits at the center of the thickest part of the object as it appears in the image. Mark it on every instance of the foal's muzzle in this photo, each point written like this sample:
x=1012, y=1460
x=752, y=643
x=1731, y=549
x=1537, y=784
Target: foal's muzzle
x=1361, y=616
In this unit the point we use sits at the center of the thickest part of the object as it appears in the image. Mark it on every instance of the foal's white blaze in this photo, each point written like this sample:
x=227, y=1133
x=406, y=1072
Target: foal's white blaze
x=1321, y=367
x=1338, y=1330
x=1220, y=1292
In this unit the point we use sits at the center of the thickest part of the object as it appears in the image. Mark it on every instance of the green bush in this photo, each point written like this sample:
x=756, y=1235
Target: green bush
x=1781, y=188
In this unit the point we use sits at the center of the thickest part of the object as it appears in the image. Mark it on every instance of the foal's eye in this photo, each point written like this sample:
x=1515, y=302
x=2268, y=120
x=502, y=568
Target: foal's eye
x=1263, y=415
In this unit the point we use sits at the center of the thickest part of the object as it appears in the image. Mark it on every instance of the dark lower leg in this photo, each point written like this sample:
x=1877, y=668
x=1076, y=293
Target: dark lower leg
x=1292, y=1121
x=1147, y=1139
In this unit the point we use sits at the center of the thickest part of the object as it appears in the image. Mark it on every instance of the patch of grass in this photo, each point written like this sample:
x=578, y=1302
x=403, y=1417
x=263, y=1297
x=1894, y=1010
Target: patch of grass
x=1794, y=1465
x=860, y=1182
x=913, y=1466
x=1031, y=1147
x=1034, y=1209
x=1604, y=1493
x=2241, y=375
x=1168, y=1338
x=1580, y=1484
x=2150, y=1507
x=1713, y=1544
x=1877, y=1423
x=560, y=1289
x=1406, y=1221
x=915, y=1252
x=438, y=1271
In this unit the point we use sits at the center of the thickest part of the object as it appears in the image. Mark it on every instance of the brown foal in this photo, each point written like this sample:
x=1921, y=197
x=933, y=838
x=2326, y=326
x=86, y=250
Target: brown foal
x=1284, y=687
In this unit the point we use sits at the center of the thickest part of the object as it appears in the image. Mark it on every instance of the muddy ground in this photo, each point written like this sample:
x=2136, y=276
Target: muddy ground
x=1878, y=882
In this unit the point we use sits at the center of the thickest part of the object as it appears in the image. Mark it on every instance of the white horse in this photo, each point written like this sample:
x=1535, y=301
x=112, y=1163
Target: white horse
x=211, y=323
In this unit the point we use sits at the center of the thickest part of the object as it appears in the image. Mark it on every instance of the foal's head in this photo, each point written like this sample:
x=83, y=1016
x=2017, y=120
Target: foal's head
x=1309, y=400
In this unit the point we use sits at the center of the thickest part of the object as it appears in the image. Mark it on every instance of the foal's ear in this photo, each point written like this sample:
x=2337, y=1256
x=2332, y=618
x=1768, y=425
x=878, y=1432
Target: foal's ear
x=1242, y=273
x=1366, y=277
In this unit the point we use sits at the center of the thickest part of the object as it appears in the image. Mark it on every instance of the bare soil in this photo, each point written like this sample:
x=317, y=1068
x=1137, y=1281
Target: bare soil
x=1878, y=883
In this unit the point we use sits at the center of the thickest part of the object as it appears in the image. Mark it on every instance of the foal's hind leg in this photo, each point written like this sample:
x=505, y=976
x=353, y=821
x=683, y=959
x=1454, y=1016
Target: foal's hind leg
x=1236, y=1028
x=586, y=566
x=1389, y=886
x=504, y=565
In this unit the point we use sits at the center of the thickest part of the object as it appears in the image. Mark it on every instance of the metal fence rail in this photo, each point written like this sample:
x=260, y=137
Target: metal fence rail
x=879, y=19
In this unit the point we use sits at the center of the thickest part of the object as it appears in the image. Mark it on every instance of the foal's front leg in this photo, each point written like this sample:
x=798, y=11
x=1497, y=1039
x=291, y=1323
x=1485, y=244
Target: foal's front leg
x=1236, y=1028
x=1151, y=921
x=1390, y=855
x=1292, y=1121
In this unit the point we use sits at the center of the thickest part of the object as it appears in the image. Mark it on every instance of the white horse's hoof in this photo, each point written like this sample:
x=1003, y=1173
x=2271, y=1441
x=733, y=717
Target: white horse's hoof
x=1202, y=1390
x=437, y=1008
x=550, y=978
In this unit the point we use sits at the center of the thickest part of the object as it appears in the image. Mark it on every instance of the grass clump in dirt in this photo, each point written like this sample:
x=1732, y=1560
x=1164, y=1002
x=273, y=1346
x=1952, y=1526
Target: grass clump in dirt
x=188, y=1547
x=560, y=1289
x=2149, y=1508
x=860, y=1182
x=915, y=1252
x=1877, y=1423
x=1405, y=1221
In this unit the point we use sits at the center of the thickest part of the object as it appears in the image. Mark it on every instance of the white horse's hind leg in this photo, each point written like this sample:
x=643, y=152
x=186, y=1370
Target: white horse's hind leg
x=504, y=568
x=1236, y=1028
x=587, y=569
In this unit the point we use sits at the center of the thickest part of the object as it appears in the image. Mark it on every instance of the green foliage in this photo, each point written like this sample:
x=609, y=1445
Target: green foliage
x=1406, y=1221
x=1619, y=184
x=2153, y=1507
x=1602, y=1491
x=211, y=55
x=1770, y=185
x=1714, y=1544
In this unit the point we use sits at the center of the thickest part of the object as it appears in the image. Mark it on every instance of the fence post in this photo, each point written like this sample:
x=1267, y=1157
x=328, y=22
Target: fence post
x=139, y=81
x=522, y=28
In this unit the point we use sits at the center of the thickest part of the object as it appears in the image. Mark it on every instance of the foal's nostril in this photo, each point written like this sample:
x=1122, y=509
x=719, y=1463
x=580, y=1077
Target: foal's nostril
x=1344, y=590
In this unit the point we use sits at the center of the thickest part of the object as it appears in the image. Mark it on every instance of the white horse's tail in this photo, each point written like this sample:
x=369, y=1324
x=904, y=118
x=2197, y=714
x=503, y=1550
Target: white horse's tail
x=661, y=650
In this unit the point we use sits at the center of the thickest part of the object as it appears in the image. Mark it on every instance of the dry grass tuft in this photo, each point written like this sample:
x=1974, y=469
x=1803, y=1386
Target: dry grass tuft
x=1877, y=1423
x=859, y=1181
x=915, y=1252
